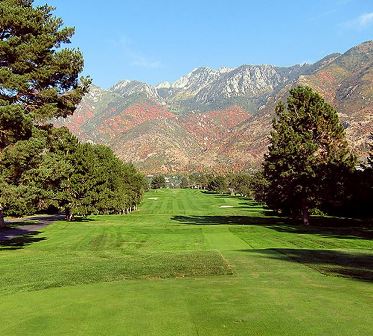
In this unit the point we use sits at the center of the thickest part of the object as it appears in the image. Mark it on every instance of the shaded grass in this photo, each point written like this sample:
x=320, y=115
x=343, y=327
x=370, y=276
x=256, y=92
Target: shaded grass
x=326, y=226
x=24, y=239
x=354, y=265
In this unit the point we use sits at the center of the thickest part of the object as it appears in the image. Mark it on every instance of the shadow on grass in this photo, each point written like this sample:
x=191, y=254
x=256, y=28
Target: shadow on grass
x=37, y=221
x=323, y=226
x=329, y=262
x=332, y=226
x=18, y=239
x=21, y=232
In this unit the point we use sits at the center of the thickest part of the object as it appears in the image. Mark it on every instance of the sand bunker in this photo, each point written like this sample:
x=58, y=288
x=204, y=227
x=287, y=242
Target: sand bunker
x=226, y=206
x=153, y=198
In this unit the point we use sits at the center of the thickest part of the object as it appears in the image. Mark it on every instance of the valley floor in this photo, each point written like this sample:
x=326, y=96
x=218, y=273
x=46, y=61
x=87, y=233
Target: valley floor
x=189, y=263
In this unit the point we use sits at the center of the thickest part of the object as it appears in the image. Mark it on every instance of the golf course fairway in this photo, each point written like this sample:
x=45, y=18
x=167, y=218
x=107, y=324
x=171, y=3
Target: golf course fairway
x=189, y=262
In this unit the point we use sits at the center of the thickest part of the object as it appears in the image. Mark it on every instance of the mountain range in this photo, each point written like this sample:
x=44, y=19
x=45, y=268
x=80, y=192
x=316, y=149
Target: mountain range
x=220, y=119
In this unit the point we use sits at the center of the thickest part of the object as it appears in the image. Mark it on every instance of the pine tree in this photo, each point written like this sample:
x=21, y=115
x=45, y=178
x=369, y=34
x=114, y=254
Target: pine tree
x=308, y=154
x=38, y=81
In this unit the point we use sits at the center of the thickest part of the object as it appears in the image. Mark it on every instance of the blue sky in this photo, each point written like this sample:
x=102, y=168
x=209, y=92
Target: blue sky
x=160, y=40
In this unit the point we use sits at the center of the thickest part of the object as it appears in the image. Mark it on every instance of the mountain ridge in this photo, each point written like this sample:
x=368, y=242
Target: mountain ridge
x=225, y=114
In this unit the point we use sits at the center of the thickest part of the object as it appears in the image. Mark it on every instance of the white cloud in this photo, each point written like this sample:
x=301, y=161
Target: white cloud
x=363, y=21
x=134, y=56
x=144, y=62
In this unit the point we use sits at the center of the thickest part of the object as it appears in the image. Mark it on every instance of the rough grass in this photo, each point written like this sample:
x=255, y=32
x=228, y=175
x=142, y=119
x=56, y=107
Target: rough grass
x=185, y=265
x=58, y=270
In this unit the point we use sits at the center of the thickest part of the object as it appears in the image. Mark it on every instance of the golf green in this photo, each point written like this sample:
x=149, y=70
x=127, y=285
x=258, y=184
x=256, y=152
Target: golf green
x=189, y=263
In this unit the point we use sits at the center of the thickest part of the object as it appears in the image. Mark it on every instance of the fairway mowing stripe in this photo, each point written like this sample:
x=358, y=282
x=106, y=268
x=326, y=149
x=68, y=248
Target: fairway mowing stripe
x=223, y=241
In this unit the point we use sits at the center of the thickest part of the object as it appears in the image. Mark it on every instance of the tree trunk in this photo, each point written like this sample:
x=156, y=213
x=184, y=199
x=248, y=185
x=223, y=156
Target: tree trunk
x=305, y=214
x=68, y=215
x=2, y=221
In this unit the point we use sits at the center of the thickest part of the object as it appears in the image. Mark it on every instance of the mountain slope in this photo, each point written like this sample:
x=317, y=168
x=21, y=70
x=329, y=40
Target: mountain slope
x=220, y=119
x=345, y=81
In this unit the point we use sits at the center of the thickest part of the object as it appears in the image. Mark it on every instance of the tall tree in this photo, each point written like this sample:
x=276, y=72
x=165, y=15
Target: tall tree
x=308, y=154
x=38, y=81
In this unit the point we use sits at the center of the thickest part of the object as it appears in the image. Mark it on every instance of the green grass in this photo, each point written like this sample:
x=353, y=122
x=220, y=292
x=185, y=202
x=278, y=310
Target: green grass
x=183, y=265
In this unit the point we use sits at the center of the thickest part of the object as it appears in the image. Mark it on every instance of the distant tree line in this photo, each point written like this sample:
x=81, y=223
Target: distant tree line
x=234, y=183
x=41, y=167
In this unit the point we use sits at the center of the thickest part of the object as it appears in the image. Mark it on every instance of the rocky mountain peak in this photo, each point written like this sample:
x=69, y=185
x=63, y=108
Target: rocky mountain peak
x=128, y=88
x=195, y=80
x=246, y=80
x=163, y=85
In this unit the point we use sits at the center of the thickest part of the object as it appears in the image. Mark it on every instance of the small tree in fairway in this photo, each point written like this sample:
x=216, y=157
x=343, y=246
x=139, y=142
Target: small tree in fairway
x=308, y=154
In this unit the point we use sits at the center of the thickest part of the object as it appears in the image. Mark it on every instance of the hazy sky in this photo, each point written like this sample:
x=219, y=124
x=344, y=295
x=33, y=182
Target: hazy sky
x=154, y=41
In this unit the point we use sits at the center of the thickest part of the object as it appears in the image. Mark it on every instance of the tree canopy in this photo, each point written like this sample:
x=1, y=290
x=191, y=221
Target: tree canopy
x=158, y=181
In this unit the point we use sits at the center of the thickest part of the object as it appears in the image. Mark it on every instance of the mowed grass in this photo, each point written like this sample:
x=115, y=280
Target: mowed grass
x=189, y=263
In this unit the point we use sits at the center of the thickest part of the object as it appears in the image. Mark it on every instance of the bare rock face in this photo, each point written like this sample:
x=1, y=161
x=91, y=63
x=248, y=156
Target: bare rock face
x=220, y=119
x=128, y=88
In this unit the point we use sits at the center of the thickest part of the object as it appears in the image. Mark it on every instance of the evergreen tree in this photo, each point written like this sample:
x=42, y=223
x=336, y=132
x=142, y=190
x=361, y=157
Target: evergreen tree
x=38, y=81
x=18, y=192
x=83, y=179
x=308, y=154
